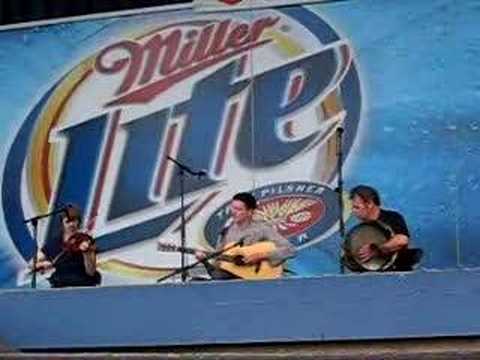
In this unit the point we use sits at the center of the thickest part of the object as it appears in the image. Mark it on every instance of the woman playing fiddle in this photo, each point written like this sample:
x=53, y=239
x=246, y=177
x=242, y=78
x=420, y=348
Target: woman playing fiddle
x=72, y=255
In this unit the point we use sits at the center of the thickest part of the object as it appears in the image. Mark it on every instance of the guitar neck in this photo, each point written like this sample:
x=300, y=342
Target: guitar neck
x=186, y=250
x=174, y=248
x=192, y=251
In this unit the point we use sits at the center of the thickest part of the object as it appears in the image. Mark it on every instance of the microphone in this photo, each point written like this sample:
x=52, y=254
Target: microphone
x=184, y=167
x=226, y=227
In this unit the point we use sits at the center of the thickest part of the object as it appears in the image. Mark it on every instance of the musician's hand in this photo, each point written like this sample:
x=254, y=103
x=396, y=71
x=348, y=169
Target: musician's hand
x=367, y=252
x=42, y=265
x=84, y=246
x=254, y=258
x=200, y=255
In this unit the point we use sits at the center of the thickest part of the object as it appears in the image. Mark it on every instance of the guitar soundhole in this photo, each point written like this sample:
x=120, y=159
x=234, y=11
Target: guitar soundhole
x=238, y=260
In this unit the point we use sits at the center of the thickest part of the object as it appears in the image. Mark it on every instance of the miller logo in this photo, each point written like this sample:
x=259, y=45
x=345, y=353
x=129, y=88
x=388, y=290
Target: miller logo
x=252, y=100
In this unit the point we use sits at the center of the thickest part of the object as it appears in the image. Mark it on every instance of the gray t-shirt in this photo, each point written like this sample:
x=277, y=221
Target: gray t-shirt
x=257, y=231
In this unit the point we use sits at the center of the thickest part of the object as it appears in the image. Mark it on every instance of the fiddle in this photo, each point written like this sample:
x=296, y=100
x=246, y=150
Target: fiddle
x=74, y=243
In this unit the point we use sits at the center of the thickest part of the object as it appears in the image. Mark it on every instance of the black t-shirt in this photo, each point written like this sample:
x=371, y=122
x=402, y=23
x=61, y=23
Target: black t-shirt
x=395, y=221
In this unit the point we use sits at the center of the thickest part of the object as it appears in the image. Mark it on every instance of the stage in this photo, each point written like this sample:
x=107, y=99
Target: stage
x=422, y=304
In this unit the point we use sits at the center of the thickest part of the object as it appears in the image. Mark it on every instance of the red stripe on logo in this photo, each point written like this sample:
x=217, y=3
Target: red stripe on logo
x=231, y=2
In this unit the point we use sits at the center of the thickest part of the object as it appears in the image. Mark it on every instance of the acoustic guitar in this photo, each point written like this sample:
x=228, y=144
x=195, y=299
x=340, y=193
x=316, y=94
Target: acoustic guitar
x=232, y=260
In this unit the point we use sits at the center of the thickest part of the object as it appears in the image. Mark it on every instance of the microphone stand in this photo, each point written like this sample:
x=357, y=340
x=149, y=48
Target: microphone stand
x=212, y=255
x=34, y=222
x=182, y=169
x=339, y=189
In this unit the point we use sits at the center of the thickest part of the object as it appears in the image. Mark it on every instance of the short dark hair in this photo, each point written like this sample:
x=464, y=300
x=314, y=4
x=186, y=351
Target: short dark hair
x=247, y=198
x=366, y=193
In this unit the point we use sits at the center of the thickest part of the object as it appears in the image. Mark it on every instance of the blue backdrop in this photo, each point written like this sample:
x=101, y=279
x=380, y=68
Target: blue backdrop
x=416, y=141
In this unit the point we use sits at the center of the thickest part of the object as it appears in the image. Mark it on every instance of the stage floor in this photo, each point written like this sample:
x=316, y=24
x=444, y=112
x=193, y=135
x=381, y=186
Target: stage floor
x=422, y=304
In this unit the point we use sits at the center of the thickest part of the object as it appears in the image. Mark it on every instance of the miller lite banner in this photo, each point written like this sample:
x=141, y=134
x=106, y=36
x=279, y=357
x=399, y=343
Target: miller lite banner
x=265, y=101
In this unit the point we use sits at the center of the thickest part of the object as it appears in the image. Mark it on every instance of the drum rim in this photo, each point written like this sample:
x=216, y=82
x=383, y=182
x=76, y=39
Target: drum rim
x=349, y=253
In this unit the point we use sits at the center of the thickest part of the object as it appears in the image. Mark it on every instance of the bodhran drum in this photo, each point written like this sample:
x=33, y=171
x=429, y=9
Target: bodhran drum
x=373, y=233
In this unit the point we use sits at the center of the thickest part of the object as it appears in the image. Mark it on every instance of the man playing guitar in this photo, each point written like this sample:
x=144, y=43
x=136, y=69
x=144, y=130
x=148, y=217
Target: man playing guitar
x=245, y=229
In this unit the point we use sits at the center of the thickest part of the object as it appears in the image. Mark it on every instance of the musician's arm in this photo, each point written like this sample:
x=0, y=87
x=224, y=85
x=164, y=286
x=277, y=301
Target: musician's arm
x=89, y=250
x=401, y=235
x=201, y=255
x=90, y=261
x=42, y=262
x=396, y=243
x=283, y=248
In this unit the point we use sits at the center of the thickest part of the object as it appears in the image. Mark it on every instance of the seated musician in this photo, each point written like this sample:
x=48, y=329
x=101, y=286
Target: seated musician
x=72, y=255
x=366, y=206
x=249, y=231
